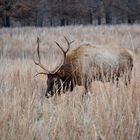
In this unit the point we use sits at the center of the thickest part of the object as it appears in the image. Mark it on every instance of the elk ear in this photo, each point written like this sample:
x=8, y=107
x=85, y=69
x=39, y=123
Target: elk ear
x=61, y=72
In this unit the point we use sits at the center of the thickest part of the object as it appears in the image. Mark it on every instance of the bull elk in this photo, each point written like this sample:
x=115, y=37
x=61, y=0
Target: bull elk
x=85, y=64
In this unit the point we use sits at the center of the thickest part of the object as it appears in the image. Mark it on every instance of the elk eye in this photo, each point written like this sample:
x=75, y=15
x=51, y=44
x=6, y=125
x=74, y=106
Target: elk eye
x=61, y=73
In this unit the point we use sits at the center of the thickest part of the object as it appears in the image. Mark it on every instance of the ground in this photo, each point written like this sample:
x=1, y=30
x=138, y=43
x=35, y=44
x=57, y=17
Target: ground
x=108, y=113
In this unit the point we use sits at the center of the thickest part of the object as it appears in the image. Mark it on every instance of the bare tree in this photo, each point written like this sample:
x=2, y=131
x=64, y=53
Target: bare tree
x=4, y=6
x=127, y=10
x=67, y=12
x=21, y=10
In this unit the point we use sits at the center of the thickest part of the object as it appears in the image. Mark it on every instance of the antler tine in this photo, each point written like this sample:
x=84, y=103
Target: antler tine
x=60, y=48
x=38, y=52
x=64, y=52
x=39, y=58
x=69, y=43
x=40, y=73
x=62, y=61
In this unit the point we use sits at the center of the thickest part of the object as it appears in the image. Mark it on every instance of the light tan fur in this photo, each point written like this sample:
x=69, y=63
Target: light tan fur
x=99, y=62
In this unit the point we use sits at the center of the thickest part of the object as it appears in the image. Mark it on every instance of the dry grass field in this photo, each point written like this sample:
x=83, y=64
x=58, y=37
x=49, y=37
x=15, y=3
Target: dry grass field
x=108, y=113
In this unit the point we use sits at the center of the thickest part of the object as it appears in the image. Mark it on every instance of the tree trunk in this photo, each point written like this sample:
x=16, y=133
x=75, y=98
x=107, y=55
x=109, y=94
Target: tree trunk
x=130, y=20
x=108, y=16
x=99, y=20
x=62, y=22
x=6, y=18
x=90, y=20
x=7, y=21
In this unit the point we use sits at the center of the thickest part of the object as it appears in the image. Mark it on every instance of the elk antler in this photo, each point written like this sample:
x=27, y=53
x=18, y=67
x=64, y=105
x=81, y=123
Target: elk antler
x=39, y=60
x=40, y=73
x=64, y=53
x=68, y=43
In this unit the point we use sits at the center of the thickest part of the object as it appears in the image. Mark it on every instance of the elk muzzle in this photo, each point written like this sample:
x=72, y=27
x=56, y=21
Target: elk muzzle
x=53, y=87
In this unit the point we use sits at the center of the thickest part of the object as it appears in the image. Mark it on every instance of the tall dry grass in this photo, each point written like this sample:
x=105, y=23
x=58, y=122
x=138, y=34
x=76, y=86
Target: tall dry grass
x=108, y=113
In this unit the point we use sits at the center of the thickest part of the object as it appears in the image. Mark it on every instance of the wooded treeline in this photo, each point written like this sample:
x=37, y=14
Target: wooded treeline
x=68, y=12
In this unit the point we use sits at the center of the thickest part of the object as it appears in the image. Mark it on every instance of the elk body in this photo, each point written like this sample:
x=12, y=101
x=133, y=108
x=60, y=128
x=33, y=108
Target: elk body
x=85, y=64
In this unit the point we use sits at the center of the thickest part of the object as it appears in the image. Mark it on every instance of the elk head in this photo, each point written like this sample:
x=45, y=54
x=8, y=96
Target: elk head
x=61, y=77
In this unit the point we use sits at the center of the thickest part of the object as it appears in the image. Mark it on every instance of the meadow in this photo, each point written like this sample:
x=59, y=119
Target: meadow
x=108, y=113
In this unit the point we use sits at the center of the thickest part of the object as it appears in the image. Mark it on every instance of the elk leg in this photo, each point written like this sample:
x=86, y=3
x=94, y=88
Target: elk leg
x=88, y=86
x=128, y=79
x=88, y=89
x=115, y=80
